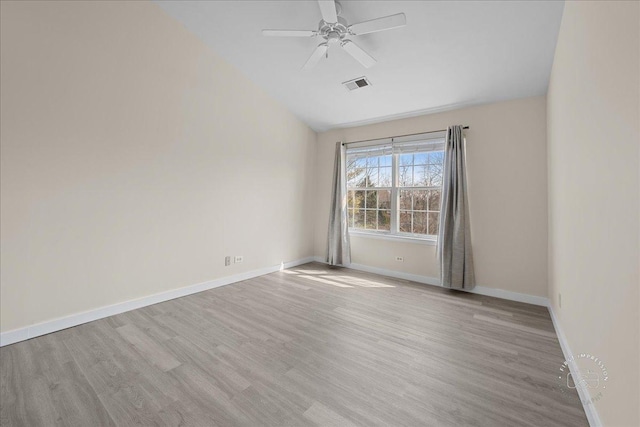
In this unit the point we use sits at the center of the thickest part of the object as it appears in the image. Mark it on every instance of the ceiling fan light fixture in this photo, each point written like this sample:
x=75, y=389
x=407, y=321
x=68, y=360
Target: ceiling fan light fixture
x=334, y=37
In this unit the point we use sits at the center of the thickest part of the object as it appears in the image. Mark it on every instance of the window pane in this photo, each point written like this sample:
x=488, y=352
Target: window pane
x=384, y=199
x=420, y=200
x=420, y=222
x=356, y=168
x=350, y=199
x=405, y=199
x=384, y=177
x=359, y=179
x=405, y=222
x=434, y=219
x=385, y=161
x=372, y=162
x=384, y=220
x=405, y=159
x=370, y=219
x=351, y=168
x=350, y=217
x=434, y=200
x=435, y=175
x=420, y=158
x=358, y=201
x=370, y=177
x=421, y=176
x=351, y=179
x=361, y=162
x=405, y=176
x=359, y=219
x=436, y=157
x=372, y=200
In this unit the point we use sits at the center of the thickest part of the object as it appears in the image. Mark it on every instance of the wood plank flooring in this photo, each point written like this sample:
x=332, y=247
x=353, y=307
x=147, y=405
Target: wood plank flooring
x=302, y=347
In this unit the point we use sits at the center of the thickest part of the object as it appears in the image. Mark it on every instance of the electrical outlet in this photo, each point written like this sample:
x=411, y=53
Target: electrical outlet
x=227, y=261
x=239, y=258
x=559, y=300
x=400, y=259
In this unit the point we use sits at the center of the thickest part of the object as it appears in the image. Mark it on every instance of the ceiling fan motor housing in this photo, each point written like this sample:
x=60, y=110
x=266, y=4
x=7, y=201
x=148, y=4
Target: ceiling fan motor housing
x=333, y=32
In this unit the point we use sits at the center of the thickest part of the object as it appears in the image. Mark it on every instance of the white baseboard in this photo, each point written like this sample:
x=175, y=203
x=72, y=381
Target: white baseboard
x=512, y=296
x=589, y=409
x=397, y=274
x=58, y=324
x=480, y=290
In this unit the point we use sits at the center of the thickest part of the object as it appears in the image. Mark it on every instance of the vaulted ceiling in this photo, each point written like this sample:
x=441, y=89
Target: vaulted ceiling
x=450, y=54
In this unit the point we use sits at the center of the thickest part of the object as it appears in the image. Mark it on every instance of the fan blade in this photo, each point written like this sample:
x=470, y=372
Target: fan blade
x=378, y=24
x=315, y=56
x=289, y=33
x=360, y=55
x=328, y=11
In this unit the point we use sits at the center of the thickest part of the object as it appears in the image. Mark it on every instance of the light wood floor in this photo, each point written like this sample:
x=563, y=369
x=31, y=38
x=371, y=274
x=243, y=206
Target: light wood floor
x=306, y=346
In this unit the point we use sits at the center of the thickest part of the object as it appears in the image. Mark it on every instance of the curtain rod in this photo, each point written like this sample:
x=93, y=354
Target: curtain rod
x=400, y=136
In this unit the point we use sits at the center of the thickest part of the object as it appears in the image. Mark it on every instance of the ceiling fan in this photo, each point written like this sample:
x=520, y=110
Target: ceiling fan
x=335, y=30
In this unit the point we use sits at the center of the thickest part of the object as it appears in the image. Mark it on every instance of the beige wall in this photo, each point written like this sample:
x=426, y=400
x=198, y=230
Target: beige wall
x=593, y=141
x=507, y=173
x=134, y=160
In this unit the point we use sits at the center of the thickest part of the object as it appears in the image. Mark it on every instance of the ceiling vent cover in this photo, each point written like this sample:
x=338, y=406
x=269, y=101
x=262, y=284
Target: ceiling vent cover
x=358, y=83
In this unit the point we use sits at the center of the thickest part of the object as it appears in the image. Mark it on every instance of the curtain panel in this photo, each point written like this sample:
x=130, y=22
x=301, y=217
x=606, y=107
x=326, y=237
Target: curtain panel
x=454, y=234
x=338, y=244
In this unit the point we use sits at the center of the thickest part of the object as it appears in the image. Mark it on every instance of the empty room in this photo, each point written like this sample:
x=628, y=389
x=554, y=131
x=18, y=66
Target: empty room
x=320, y=213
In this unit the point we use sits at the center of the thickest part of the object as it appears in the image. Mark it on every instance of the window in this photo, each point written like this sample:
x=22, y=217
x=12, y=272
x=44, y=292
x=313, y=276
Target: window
x=394, y=186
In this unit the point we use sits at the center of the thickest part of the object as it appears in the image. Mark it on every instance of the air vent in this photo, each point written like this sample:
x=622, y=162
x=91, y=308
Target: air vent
x=358, y=83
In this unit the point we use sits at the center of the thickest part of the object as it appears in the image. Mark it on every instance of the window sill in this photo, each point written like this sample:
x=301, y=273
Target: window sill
x=394, y=237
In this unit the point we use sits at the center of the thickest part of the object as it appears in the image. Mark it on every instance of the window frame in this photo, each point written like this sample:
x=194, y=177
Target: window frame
x=394, y=232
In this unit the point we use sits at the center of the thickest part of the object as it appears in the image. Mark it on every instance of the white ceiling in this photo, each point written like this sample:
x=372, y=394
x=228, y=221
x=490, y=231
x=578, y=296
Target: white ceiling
x=450, y=54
